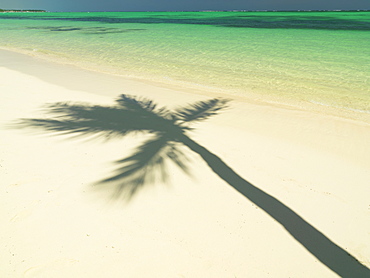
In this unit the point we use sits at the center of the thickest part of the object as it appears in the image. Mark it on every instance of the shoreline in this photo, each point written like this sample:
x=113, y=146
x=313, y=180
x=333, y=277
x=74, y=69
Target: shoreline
x=314, y=163
x=252, y=97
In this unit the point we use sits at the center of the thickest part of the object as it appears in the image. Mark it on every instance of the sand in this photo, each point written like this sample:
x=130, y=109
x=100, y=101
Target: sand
x=56, y=223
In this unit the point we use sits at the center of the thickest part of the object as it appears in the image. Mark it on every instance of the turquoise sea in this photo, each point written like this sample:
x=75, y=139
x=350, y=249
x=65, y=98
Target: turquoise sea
x=320, y=59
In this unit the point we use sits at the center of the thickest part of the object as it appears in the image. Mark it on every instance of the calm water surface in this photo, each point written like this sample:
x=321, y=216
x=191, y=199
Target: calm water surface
x=319, y=58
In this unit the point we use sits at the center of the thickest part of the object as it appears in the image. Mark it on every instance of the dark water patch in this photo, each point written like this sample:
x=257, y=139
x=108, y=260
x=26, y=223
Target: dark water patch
x=103, y=31
x=297, y=22
x=55, y=28
x=90, y=30
x=320, y=21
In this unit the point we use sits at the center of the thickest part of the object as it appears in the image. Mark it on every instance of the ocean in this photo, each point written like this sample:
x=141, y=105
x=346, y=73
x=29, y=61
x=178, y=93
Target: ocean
x=301, y=59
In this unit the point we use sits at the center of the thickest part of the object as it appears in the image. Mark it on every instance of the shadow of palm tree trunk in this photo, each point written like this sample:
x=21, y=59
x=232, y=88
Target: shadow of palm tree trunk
x=326, y=251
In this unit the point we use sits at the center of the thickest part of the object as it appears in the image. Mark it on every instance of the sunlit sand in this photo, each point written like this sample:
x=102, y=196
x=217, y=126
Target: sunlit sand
x=58, y=221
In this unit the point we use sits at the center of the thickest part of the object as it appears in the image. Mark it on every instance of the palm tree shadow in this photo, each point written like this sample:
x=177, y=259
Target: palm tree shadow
x=167, y=131
x=147, y=165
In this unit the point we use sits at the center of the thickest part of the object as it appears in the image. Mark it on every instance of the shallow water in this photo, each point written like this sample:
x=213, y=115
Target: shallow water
x=319, y=58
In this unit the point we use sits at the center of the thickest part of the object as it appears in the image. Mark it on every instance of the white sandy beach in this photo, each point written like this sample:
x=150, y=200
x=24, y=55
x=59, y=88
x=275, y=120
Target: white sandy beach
x=55, y=224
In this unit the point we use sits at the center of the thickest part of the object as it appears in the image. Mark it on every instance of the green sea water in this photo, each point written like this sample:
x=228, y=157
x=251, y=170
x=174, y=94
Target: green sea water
x=295, y=58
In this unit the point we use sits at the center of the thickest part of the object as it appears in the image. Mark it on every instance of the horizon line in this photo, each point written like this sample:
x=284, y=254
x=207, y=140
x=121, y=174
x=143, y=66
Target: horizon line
x=232, y=10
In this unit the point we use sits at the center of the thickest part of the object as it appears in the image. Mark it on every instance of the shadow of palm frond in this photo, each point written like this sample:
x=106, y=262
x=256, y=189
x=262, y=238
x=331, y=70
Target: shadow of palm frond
x=130, y=115
x=147, y=165
x=168, y=132
x=100, y=121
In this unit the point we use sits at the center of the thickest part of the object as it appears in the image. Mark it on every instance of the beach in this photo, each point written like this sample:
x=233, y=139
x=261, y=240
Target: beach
x=57, y=222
